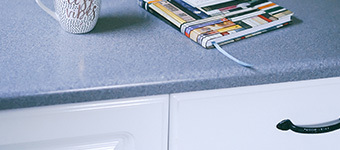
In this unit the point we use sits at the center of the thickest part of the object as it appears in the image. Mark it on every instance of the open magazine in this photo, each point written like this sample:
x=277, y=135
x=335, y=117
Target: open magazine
x=211, y=23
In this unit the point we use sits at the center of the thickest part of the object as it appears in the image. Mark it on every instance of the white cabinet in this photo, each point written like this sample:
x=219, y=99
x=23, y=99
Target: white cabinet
x=123, y=124
x=240, y=118
x=245, y=118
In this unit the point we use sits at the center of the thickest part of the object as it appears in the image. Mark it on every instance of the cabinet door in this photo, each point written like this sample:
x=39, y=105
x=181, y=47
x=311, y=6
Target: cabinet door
x=124, y=124
x=245, y=118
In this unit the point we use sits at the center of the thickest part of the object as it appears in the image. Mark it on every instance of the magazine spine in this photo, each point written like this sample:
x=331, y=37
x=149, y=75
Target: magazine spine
x=142, y=4
x=208, y=42
x=146, y=7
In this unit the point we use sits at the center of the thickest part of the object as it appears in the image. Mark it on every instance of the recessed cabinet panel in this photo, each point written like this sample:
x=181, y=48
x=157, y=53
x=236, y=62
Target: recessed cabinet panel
x=114, y=141
x=123, y=124
x=245, y=118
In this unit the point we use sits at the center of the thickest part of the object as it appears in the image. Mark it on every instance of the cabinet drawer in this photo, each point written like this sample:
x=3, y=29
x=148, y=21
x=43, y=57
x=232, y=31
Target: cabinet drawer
x=123, y=124
x=246, y=118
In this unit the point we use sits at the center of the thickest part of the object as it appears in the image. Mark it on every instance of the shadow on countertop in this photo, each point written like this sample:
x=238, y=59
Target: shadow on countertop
x=114, y=23
x=296, y=21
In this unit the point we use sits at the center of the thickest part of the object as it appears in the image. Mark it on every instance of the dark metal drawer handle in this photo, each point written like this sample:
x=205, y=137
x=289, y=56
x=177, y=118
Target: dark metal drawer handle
x=309, y=129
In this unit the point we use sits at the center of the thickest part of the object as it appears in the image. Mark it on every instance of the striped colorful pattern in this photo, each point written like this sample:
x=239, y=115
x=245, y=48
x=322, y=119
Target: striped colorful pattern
x=227, y=22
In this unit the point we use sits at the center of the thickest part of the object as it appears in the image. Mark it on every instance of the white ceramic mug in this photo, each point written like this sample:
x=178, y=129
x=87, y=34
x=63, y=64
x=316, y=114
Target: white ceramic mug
x=75, y=16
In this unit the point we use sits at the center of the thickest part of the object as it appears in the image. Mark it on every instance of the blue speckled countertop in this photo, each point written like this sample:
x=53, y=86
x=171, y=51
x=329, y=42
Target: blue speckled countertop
x=132, y=53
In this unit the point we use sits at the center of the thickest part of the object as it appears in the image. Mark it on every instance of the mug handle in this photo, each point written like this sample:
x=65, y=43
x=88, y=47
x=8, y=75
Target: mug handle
x=49, y=11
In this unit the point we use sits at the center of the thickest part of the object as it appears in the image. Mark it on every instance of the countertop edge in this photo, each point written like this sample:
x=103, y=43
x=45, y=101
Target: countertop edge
x=150, y=89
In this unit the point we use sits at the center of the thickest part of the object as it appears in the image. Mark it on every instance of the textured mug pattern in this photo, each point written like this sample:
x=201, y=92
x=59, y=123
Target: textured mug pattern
x=77, y=16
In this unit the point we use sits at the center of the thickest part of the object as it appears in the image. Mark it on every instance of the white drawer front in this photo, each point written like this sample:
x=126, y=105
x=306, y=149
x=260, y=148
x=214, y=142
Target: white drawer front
x=124, y=124
x=245, y=118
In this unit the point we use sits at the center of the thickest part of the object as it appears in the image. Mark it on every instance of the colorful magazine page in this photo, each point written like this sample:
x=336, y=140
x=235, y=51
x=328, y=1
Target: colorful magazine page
x=217, y=22
x=221, y=21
